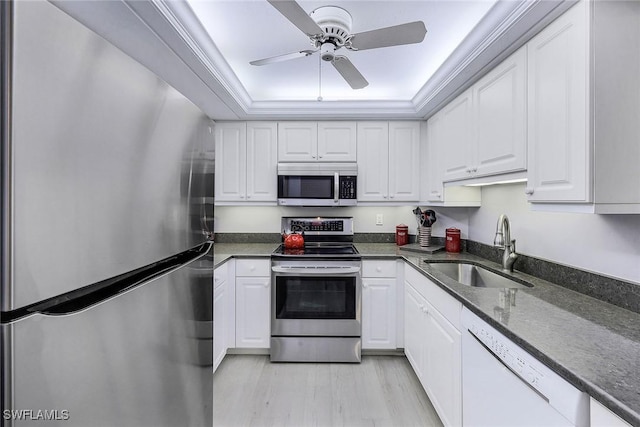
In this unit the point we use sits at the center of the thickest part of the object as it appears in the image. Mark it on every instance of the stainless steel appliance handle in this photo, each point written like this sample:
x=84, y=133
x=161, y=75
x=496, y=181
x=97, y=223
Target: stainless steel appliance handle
x=88, y=296
x=336, y=187
x=316, y=271
x=508, y=367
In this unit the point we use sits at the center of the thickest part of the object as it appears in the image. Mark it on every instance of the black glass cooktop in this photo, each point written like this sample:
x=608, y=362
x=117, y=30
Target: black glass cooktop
x=319, y=250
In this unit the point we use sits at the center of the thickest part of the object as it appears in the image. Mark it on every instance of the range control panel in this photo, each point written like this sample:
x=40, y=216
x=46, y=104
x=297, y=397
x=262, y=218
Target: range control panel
x=319, y=225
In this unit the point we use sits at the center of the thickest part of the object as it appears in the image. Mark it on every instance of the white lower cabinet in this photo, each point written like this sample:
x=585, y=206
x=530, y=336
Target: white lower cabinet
x=223, y=313
x=379, y=304
x=603, y=417
x=253, y=303
x=432, y=343
x=219, y=325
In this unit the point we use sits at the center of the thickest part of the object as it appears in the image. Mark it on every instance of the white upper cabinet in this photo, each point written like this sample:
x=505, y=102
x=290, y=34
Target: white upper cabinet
x=583, y=109
x=388, y=161
x=404, y=161
x=558, y=122
x=484, y=129
x=337, y=141
x=432, y=189
x=316, y=141
x=373, y=161
x=456, y=149
x=246, y=162
x=500, y=100
x=231, y=161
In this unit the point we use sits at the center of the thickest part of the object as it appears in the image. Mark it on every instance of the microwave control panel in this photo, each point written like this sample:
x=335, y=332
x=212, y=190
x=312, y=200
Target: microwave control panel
x=348, y=187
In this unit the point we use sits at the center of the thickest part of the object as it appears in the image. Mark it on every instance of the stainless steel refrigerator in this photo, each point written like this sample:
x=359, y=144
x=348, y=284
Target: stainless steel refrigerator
x=107, y=218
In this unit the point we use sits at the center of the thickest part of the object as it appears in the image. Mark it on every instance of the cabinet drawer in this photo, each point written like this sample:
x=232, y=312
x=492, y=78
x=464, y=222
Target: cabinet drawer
x=447, y=305
x=378, y=268
x=253, y=267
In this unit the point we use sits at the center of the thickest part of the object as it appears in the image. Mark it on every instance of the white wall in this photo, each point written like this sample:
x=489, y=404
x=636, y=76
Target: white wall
x=265, y=219
x=605, y=244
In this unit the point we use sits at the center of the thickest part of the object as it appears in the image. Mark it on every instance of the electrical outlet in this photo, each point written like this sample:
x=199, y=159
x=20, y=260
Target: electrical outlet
x=378, y=219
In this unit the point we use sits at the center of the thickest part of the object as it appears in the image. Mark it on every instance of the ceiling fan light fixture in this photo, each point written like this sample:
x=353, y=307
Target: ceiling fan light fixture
x=327, y=51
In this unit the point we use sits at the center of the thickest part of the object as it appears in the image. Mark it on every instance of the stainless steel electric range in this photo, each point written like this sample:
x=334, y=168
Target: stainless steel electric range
x=317, y=294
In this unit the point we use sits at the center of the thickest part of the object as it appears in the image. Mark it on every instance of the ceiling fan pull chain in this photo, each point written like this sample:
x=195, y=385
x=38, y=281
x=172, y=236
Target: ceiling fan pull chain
x=319, y=78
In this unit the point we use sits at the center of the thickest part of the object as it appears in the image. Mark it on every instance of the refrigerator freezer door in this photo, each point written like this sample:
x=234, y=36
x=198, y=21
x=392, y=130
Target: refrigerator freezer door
x=140, y=359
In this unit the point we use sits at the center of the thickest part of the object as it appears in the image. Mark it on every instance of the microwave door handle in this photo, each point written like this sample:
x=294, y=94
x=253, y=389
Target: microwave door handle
x=336, y=187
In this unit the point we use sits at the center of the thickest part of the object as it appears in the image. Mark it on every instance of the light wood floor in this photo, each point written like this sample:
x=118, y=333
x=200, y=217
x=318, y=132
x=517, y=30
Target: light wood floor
x=249, y=390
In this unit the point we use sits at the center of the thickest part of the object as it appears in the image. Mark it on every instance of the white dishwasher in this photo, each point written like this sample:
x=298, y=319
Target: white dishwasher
x=505, y=386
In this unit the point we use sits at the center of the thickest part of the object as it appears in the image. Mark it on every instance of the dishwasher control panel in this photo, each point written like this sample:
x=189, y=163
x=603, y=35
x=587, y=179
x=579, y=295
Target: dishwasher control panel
x=515, y=360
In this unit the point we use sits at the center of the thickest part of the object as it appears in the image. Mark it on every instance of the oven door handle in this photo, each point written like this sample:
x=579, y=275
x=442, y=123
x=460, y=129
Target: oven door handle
x=315, y=271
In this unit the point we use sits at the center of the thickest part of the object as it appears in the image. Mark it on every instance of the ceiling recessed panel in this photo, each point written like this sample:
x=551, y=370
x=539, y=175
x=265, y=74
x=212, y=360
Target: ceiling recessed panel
x=248, y=30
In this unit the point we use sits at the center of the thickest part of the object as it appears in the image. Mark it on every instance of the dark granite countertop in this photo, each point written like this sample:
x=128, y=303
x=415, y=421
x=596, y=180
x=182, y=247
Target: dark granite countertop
x=594, y=345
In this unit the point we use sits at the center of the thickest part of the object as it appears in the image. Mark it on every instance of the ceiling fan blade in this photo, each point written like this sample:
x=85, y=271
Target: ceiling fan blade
x=298, y=17
x=412, y=32
x=285, y=57
x=349, y=72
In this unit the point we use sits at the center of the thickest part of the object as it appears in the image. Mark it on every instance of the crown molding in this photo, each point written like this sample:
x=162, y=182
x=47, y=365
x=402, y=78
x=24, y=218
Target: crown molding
x=167, y=37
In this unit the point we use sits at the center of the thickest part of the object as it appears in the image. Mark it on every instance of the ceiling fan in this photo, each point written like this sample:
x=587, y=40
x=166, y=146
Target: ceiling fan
x=329, y=29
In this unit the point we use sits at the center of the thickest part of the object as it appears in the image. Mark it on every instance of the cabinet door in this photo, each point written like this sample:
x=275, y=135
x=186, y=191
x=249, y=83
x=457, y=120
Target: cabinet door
x=231, y=145
x=373, y=161
x=262, y=162
x=500, y=118
x=433, y=190
x=603, y=417
x=220, y=316
x=337, y=141
x=297, y=141
x=379, y=313
x=558, y=114
x=457, y=144
x=443, y=371
x=253, y=299
x=415, y=335
x=404, y=161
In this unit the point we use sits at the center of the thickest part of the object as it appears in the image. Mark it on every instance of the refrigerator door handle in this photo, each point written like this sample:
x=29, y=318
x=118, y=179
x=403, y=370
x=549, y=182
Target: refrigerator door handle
x=96, y=293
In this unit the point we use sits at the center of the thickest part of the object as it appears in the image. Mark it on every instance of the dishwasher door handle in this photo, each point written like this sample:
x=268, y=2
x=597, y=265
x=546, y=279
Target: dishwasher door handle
x=538, y=392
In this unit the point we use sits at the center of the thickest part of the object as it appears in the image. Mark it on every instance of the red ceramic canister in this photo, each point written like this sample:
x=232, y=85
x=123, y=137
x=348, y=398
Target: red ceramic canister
x=452, y=243
x=402, y=234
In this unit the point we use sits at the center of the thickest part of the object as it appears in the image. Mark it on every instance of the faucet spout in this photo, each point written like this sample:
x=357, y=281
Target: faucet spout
x=504, y=241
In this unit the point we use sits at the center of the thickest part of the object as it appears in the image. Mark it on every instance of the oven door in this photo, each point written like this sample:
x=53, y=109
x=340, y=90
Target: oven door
x=321, y=300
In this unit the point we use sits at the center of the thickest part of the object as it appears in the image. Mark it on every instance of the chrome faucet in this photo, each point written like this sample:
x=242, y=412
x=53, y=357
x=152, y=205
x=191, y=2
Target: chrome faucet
x=503, y=240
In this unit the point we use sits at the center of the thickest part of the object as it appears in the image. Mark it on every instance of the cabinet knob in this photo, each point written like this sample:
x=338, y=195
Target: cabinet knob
x=391, y=196
x=248, y=197
x=252, y=267
x=266, y=284
x=468, y=170
x=365, y=285
x=528, y=191
x=474, y=169
x=378, y=269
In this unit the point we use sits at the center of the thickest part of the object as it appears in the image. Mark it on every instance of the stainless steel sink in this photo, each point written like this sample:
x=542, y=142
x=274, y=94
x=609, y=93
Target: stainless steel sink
x=475, y=275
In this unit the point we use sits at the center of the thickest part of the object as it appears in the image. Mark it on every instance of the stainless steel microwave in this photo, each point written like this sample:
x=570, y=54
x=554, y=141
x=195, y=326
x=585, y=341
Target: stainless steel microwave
x=317, y=184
